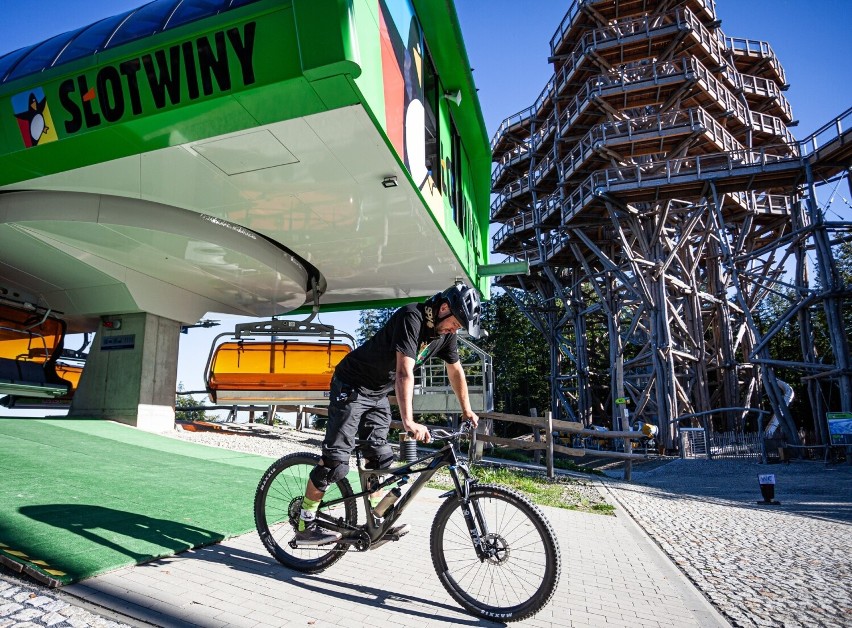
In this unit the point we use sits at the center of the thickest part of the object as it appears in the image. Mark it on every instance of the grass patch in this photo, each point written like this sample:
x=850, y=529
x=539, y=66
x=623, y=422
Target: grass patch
x=560, y=492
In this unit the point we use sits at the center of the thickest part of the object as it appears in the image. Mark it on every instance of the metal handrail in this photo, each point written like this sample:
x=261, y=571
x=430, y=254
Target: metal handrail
x=817, y=139
x=565, y=24
x=573, y=10
x=694, y=118
x=760, y=86
x=508, y=192
x=523, y=220
x=524, y=114
x=772, y=124
x=682, y=18
x=628, y=75
x=721, y=93
x=603, y=180
x=754, y=47
x=433, y=379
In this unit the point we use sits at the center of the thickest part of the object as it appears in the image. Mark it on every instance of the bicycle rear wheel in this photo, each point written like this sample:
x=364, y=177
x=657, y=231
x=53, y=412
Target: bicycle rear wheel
x=521, y=574
x=277, y=505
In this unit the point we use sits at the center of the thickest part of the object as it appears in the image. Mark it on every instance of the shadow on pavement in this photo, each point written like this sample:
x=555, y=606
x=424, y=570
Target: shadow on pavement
x=405, y=605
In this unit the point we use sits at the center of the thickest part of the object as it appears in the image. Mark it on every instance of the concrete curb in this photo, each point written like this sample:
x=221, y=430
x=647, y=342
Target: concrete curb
x=692, y=595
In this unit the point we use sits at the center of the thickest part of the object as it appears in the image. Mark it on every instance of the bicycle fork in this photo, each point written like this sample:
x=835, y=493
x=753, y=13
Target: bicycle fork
x=472, y=512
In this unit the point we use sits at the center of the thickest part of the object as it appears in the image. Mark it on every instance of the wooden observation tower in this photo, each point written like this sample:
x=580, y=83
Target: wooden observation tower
x=659, y=197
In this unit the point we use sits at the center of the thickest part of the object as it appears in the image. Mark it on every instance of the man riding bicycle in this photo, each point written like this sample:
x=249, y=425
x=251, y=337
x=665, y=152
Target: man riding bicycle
x=359, y=406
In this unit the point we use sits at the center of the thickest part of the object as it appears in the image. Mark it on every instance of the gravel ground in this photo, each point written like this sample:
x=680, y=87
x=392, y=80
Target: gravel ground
x=272, y=442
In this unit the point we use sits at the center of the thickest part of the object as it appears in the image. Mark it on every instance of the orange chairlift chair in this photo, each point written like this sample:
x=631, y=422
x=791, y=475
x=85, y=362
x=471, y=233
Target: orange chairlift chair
x=31, y=342
x=275, y=363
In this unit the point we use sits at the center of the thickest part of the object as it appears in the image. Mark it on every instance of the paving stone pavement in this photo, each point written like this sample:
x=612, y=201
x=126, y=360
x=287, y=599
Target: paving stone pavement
x=236, y=583
x=788, y=565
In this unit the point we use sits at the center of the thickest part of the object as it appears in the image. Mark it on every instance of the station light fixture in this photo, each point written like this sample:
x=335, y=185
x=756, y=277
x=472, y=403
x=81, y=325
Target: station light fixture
x=454, y=96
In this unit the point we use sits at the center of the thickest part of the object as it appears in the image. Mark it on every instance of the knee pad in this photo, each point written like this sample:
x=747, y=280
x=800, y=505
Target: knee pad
x=328, y=473
x=379, y=457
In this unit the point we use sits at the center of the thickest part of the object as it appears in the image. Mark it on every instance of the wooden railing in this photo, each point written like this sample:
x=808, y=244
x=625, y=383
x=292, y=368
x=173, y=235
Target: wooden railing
x=542, y=430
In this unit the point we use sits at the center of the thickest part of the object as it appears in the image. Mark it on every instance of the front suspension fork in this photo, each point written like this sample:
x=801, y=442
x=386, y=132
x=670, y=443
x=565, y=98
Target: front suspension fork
x=471, y=510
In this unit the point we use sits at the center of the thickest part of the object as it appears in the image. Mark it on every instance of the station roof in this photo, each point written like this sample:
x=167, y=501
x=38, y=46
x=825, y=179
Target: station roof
x=111, y=32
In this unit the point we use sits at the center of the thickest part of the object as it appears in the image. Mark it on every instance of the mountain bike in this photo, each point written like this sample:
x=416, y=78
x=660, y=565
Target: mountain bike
x=494, y=551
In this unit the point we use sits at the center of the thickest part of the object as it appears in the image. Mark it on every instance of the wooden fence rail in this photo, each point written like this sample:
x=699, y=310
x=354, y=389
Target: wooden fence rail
x=542, y=427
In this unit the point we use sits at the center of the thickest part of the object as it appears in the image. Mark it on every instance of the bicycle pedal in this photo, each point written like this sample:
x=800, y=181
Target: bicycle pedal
x=397, y=532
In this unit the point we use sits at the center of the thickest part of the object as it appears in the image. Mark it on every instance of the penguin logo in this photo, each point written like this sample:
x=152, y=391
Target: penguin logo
x=34, y=118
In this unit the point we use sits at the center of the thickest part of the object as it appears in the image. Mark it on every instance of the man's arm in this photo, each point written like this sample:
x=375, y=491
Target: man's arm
x=404, y=388
x=455, y=371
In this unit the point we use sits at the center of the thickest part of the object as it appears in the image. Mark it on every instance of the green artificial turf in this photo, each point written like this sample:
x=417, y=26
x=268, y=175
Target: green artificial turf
x=81, y=497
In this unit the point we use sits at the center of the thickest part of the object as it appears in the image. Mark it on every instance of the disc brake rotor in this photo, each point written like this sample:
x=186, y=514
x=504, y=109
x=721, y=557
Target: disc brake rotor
x=497, y=549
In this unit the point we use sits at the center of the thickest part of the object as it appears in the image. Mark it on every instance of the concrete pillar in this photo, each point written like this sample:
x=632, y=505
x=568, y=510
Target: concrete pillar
x=131, y=373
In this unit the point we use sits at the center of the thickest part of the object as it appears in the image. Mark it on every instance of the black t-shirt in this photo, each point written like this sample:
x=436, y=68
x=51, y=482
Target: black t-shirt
x=373, y=365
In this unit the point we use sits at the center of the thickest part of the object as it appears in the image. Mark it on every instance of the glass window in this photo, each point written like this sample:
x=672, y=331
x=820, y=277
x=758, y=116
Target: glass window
x=42, y=55
x=91, y=39
x=191, y=10
x=456, y=186
x=145, y=21
x=431, y=88
x=8, y=61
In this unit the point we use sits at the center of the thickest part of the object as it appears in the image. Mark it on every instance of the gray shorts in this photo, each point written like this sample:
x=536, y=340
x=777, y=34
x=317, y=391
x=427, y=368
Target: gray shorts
x=357, y=413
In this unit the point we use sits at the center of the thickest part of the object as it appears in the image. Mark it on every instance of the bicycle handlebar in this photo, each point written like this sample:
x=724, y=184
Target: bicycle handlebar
x=439, y=433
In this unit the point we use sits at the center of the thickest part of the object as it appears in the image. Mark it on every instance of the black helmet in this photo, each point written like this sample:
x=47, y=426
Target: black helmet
x=464, y=304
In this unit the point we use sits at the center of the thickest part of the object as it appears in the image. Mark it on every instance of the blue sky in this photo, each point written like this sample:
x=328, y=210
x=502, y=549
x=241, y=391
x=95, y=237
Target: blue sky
x=508, y=45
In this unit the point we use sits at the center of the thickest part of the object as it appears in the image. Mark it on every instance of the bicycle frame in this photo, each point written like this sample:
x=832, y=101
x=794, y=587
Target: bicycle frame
x=371, y=535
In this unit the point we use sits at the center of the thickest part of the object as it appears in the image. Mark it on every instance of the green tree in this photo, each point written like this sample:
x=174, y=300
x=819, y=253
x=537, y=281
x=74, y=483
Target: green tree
x=843, y=262
x=184, y=402
x=370, y=322
x=785, y=345
x=520, y=355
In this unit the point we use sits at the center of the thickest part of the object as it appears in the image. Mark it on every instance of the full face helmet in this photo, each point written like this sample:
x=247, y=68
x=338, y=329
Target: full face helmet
x=463, y=302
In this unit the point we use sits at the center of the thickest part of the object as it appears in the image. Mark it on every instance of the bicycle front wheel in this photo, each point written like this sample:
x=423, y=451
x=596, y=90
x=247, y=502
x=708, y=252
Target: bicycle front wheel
x=521, y=573
x=278, y=504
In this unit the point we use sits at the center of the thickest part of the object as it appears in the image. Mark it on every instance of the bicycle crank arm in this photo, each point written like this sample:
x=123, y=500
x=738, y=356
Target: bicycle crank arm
x=358, y=539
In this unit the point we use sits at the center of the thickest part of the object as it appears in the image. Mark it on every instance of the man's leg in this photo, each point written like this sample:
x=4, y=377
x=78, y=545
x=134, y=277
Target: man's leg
x=337, y=446
x=374, y=428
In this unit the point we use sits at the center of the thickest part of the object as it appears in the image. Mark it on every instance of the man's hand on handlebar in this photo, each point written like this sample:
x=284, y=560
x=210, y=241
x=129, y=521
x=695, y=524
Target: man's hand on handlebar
x=472, y=417
x=417, y=431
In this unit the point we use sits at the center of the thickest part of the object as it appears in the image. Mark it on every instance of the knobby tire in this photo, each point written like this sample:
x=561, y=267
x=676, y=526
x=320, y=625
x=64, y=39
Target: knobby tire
x=276, y=504
x=511, y=586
